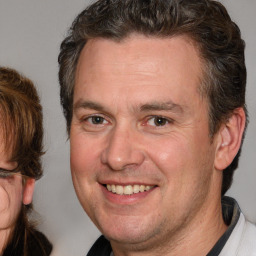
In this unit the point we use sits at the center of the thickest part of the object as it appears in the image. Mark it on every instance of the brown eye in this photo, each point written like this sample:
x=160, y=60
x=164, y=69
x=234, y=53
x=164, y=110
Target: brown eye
x=97, y=120
x=160, y=121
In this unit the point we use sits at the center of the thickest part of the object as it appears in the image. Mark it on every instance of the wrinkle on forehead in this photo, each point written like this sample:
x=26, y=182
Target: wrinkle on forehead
x=130, y=72
x=134, y=60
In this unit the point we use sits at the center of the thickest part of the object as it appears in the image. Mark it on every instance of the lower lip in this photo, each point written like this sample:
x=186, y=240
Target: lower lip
x=125, y=199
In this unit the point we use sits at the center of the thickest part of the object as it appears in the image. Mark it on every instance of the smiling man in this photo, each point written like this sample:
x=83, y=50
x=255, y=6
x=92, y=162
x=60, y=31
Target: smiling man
x=154, y=97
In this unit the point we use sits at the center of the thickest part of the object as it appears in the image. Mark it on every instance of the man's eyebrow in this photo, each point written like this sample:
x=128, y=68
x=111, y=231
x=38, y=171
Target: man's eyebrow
x=162, y=106
x=157, y=106
x=88, y=105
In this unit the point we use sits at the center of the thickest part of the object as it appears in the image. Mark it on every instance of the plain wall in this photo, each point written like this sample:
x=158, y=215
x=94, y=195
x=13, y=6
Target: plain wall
x=30, y=34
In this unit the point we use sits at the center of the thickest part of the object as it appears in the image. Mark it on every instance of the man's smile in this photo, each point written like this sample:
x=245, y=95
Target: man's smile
x=128, y=193
x=128, y=189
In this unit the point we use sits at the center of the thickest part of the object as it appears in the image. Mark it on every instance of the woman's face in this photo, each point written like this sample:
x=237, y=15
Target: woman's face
x=10, y=200
x=13, y=193
x=11, y=189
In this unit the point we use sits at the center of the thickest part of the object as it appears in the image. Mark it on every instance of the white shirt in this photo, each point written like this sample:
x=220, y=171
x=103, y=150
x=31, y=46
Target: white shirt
x=242, y=241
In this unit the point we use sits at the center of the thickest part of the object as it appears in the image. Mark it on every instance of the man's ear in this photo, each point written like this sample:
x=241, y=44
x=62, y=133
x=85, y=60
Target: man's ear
x=229, y=139
x=28, y=191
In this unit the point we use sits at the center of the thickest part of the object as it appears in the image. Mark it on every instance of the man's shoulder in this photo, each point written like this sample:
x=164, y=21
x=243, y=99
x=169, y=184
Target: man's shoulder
x=248, y=239
x=250, y=228
x=242, y=240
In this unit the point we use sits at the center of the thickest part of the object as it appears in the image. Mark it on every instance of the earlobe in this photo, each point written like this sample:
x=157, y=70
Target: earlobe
x=28, y=191
x=229, y=139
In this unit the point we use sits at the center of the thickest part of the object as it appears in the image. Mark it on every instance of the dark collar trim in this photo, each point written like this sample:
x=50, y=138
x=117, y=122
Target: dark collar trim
x=231, y=213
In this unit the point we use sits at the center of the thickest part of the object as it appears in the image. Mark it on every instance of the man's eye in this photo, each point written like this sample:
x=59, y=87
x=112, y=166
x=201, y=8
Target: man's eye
x=158, y=121
x=96, y=120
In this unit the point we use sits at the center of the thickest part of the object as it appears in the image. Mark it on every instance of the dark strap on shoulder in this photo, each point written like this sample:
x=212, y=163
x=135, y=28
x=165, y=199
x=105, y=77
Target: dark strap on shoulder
x=101, y=247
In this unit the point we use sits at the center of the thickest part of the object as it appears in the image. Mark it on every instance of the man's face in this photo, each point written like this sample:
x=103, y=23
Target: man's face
x=140, y=124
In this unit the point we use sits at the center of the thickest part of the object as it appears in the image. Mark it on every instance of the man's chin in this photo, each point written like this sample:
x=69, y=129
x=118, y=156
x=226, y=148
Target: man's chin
x=130, y=234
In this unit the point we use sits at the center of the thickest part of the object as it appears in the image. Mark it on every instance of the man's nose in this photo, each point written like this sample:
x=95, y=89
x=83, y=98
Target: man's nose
x=123, y=149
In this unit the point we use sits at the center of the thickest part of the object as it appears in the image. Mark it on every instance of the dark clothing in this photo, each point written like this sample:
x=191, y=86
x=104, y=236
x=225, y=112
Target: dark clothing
x=101, y=247
x=38, y=245
x=231, y=215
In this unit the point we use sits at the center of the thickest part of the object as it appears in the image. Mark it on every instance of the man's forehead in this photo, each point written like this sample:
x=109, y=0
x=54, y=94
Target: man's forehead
x=155, y=73
x=138, y=56
x=136, y=47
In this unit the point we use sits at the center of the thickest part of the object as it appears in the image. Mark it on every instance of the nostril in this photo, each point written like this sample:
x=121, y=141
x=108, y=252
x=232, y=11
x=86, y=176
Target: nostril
x=124, y=160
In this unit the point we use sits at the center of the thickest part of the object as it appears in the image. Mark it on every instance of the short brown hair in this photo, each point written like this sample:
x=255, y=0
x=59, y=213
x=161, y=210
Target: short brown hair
x=206, y=22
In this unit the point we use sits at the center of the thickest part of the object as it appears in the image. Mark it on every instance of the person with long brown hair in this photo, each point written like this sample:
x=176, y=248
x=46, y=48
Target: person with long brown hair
x=21, y=148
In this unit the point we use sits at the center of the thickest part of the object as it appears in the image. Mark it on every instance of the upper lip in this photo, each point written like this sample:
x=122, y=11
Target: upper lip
x=126, y=183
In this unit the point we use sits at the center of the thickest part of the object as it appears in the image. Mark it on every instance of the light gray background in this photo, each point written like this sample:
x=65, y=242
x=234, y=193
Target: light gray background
x=30, y=34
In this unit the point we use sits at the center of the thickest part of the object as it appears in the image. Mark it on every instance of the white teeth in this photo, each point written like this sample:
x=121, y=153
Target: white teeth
x=128, y=190
x=119, y=190
x=147, y=188
x=136, y=189
x=142, y=188
x=113, y=188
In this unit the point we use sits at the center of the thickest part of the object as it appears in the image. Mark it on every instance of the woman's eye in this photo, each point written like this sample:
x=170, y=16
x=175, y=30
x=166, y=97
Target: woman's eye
x=5, y=174
x=158, y=121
